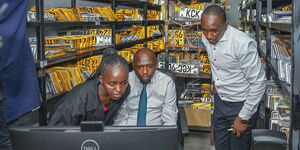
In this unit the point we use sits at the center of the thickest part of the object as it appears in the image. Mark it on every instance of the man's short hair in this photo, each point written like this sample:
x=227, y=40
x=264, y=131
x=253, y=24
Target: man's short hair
x=215, y=10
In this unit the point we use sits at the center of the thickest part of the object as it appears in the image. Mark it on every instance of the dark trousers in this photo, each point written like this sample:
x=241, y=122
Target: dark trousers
x=4, y=133
x=223, y=117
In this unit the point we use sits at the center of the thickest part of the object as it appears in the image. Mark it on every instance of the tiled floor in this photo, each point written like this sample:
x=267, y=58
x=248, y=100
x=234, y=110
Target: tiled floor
x=196, y=140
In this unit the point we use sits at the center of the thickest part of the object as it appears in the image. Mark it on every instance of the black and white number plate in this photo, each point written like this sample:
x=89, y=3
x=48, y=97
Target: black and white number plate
x=190, y=13
x=181, y=68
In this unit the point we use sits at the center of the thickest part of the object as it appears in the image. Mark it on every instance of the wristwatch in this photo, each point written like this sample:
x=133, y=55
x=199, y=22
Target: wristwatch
x=244, y=121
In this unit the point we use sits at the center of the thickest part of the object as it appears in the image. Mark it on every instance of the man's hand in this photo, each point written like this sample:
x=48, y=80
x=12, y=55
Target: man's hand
x=213, y=89
x=238, y=127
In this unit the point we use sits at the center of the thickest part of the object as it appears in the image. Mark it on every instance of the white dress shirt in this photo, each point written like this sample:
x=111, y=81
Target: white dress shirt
x=161, y=101
x=236, y=70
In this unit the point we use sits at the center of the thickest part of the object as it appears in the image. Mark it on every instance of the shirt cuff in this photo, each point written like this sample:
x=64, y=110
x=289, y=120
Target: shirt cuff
x=245, y=114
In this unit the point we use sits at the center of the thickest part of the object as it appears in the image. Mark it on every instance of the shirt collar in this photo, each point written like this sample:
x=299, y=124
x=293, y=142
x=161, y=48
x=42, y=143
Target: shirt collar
x=137, y=79
x=139, y=84
x=225, y=36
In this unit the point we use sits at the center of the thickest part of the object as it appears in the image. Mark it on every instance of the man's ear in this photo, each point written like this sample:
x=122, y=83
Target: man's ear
x=100, y=79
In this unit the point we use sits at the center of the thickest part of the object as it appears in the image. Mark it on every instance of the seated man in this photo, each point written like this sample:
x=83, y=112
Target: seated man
x=152, y=100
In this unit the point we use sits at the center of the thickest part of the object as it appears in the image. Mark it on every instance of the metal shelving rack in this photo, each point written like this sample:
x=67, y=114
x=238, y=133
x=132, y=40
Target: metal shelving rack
x=92, y=24
x=286, y=27
x=183, y=77
x=293, y=29
x=295, y=75
x=204, y=76
x=40, y=25
x=249, y=6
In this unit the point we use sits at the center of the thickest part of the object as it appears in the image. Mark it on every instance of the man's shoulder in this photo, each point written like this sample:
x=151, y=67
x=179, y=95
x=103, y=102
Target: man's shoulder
x=239, y=35
x=131, y=76
x=163, y=76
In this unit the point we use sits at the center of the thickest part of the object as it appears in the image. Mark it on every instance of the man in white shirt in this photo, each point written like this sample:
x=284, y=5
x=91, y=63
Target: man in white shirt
x=158, y=99
x=239, y=80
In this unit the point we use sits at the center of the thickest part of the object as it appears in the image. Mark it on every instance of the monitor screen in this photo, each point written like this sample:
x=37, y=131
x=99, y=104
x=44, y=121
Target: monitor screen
x=111, y=138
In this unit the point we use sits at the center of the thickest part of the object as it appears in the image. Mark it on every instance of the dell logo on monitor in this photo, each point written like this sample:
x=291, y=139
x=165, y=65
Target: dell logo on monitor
x=89, y=145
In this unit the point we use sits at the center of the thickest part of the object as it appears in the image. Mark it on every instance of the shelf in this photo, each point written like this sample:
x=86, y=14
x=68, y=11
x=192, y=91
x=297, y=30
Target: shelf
x=181, y=49
x=138, y=4
x=264, y=4
x=249, y=22
x=286, y=27
x=79, y=23
x=154, y=22
x=89, y=52
x=129, y=44
x=196, y=76
x=276, y=3
x=185, y=103
x=189, y=51
x=135, y=4
x=93, y=23
x=73, y=55
x=286, y=88
x=179, y=24
x=150, y=22
x=78, y=54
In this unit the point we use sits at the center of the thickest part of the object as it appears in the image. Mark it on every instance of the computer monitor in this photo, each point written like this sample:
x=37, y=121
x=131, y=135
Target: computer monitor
x=111, y=138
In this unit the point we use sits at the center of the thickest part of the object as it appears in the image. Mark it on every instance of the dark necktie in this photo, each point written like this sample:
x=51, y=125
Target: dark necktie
x=141, y=119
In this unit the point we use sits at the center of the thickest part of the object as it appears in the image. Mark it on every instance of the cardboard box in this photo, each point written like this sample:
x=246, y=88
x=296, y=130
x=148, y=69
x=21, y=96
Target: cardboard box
x=200, y=116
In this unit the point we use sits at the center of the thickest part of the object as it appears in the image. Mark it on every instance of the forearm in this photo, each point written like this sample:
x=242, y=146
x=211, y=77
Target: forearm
x=170, y=110
x=169, y=118
x=253, y=99
x=252, y=68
